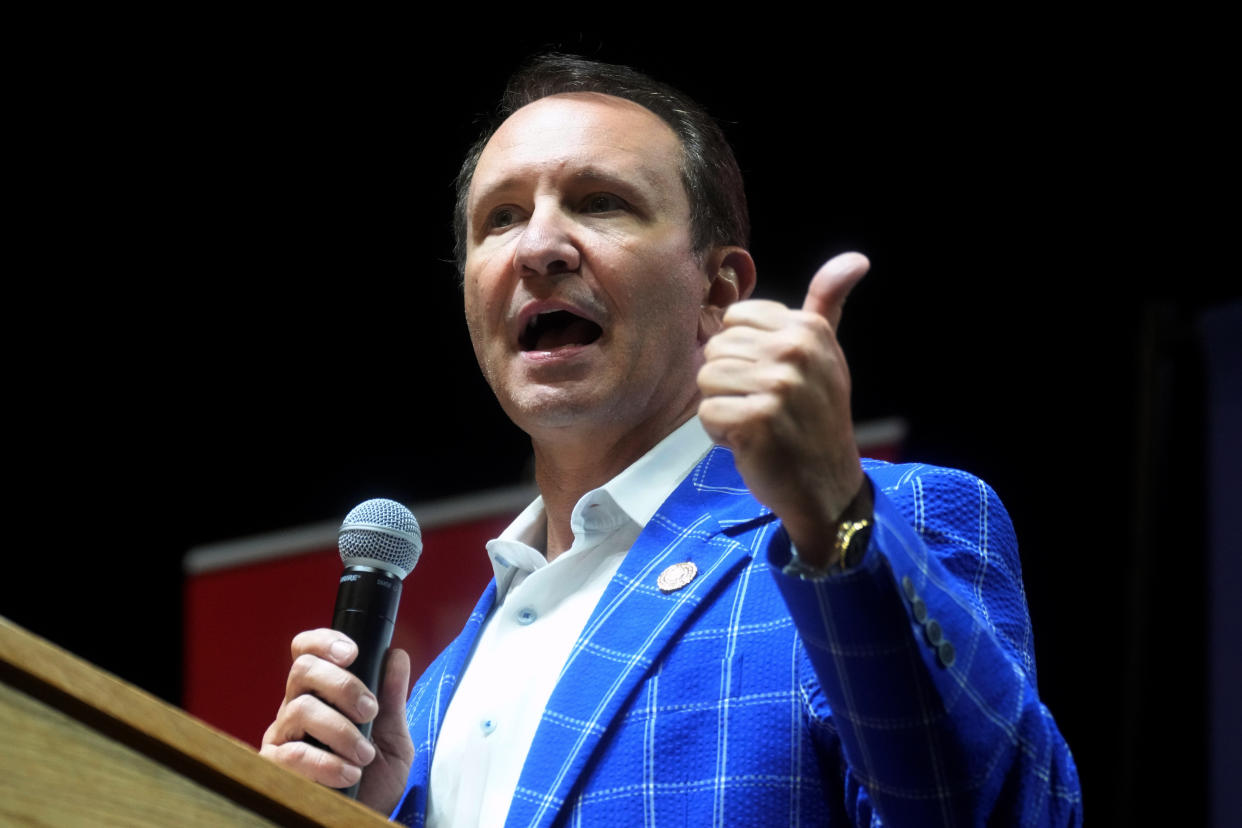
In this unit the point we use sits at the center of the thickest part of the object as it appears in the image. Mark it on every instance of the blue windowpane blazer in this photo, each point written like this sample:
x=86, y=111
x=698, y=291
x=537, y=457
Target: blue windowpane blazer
x=900, y=693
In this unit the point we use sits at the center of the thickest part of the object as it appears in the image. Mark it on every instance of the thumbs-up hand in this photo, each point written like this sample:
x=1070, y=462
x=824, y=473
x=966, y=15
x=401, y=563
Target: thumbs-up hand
x=776, y=390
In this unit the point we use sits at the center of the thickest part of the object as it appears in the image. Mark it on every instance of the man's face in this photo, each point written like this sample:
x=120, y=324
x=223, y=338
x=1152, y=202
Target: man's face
x=582, y=292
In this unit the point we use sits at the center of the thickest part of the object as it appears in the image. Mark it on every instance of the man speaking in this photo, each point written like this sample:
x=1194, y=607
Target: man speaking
x=715, y=612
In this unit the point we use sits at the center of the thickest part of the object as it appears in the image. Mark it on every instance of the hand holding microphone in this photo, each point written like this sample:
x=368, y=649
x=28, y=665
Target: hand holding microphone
x=340, y=690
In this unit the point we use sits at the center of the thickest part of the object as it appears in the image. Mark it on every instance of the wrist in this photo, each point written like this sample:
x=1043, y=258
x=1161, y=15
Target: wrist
x=838, y=548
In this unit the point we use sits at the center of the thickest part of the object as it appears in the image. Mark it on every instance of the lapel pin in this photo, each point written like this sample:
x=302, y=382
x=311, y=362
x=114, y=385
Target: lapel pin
x=677, y=576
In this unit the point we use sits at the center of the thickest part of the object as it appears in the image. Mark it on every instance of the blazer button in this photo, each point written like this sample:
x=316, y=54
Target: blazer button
x=919, y=609
x=946, y=653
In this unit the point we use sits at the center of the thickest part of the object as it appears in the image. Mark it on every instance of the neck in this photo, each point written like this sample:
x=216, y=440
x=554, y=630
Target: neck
x=569, y=465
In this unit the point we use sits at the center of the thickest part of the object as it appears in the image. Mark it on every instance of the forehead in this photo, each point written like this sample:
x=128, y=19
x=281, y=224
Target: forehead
x=579, y=132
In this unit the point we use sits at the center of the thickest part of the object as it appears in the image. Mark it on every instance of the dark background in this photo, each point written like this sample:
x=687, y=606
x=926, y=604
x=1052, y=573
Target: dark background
x=233, y=310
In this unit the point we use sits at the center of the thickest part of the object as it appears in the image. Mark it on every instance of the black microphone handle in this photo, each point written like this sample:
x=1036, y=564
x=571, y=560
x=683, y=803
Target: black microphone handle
x=366, y=609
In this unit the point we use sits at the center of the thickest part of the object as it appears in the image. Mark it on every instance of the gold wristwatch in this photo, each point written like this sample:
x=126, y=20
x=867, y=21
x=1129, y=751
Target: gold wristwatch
x=853, y=534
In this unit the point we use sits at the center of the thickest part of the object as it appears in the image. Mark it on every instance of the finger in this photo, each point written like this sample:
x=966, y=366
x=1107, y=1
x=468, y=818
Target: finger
x=832, y=283
x=797, y=338
x=738, y=343
x=326, y=644
x=308, y=716
x=335, y=685
x=390, y=731
x=757, y=313
x=314, y=763
x=732, y=421
x=728, y=377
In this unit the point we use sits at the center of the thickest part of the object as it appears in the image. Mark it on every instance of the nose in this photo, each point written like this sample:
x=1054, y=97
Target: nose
x=547, y=246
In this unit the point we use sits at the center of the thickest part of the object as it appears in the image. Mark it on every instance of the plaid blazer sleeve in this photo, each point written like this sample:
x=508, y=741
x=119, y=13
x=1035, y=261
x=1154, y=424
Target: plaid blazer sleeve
x=924, y=657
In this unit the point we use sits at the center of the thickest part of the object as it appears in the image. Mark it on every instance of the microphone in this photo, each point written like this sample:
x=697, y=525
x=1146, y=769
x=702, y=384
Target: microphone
x=380, y=542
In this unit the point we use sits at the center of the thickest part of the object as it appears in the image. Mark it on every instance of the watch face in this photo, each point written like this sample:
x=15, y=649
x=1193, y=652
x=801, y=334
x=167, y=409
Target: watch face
x=852, y=540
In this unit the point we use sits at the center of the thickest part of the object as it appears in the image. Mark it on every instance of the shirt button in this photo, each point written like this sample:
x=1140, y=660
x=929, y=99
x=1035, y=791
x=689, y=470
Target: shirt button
x=487, y=726
x=526, y=616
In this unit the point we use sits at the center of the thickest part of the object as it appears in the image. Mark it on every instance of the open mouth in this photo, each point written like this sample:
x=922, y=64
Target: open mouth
x=558, y=329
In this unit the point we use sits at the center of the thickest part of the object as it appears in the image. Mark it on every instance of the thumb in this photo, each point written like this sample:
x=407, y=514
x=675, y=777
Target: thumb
x=832, y=283
x=394, y=688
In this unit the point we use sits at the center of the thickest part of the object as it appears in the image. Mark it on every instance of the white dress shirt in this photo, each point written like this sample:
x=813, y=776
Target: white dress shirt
x=541, y=608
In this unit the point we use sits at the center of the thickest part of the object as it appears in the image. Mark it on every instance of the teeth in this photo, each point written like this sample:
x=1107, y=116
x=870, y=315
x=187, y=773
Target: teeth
x=534, y=320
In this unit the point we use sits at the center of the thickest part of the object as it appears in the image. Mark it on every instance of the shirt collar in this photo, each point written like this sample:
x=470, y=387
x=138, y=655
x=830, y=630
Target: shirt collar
x=649, y=480
x=637, y=491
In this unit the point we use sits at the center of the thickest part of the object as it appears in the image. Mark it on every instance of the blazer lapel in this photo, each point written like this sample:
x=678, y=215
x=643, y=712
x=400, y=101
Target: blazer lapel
x=632, y=626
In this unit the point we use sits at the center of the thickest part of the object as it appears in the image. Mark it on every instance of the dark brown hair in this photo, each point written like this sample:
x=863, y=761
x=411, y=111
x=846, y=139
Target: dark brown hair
x=709, y=172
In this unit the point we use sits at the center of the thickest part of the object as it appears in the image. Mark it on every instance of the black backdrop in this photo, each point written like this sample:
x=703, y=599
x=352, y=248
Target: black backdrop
x=234, y=310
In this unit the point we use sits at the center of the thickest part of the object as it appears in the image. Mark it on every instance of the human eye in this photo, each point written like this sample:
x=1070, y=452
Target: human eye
x=502, y=217
x=603, y=203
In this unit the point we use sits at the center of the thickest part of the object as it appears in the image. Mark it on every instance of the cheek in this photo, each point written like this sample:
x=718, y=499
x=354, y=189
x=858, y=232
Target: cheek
x=480, y=295
x=677, y=300
x=472, y=324
x=674, y=286
x=480, y=321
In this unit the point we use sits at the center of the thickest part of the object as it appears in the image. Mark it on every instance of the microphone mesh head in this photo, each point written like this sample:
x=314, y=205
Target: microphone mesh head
x=383, y=534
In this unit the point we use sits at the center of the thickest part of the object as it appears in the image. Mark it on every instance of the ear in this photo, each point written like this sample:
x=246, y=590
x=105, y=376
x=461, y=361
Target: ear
x=730, y=278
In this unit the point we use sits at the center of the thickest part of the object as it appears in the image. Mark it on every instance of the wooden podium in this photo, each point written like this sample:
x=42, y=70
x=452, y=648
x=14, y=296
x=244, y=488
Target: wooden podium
x=82, y=747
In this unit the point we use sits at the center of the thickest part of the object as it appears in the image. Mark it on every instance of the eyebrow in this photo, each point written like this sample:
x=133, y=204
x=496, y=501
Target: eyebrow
x=588, y=174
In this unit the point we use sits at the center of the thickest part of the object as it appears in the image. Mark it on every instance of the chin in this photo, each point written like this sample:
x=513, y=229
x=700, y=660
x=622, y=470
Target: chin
x=544, y=411
x=537, y=408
